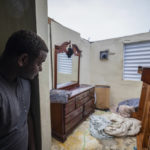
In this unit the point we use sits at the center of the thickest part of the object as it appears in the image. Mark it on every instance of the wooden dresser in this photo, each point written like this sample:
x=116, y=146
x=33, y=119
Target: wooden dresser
x=65, y=117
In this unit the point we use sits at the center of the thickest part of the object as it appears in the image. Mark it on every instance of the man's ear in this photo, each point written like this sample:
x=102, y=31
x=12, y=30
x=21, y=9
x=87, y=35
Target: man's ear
x=23, y=60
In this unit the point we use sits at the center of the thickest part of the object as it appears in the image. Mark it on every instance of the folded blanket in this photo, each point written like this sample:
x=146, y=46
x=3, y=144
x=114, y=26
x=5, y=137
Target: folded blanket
x=59, y=96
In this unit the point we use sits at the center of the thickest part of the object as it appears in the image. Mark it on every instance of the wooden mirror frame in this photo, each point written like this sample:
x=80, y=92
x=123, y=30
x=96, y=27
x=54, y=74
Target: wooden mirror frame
x=63, y=49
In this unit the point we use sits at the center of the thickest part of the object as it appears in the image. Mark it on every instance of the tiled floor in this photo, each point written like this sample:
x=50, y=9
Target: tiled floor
x=81, y=139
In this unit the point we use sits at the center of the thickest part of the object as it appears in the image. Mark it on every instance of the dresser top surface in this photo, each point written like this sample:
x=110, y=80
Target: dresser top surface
x=80, y=89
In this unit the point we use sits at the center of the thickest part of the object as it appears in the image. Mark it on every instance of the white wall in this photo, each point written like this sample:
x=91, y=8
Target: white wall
x=44, y=76
x=13, y=18
x=110, y=72
x=85, y=62
x=96, y=72
x=60, y=34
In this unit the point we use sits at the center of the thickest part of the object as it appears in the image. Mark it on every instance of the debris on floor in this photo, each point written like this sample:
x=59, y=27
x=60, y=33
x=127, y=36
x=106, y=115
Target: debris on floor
x=80, y=139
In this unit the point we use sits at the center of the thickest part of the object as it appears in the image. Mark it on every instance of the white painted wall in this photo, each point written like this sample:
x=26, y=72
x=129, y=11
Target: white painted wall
x=13, y=18
x=85, y=62
x=96, y=72
x=44, y=76
x=61, y=34
x=110, y=72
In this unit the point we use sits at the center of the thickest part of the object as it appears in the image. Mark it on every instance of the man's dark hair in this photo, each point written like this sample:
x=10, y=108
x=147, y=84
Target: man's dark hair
x=24, y=42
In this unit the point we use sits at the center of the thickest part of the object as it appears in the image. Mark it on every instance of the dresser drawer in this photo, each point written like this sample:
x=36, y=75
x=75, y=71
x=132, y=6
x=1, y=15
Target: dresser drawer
x=70, y=106
x=73, y=114
x=74, y=122
x=87, y=111
x=80, y=102
x=88, y=107
x=86, y=94
x=89, y=104
x=82, y=95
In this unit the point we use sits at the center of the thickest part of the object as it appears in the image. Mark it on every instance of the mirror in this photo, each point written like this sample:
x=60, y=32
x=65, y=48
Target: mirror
x=67, y=61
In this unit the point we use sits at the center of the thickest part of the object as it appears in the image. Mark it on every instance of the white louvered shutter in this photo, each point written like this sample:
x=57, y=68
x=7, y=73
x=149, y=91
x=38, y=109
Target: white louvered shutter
x=64, y=64
x=135, y=54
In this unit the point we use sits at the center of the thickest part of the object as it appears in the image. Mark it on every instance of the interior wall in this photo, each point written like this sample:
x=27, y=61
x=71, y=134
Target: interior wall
x=44, y=76
x=110, y=72
x=61, y=34
x=85, y=61
x=15, y=15
x=94, y=71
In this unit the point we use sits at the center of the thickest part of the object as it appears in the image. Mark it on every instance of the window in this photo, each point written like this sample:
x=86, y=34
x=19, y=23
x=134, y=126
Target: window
x=135, y=54
x=64, y=64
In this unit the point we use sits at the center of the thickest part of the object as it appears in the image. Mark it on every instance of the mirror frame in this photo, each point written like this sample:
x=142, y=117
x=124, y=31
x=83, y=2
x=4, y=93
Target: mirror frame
x=63, y=49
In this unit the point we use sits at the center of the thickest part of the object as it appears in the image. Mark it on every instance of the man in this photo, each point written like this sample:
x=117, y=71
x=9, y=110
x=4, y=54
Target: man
x=20, y=62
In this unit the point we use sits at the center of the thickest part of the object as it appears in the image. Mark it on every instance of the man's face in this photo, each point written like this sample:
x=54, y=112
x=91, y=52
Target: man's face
x=34, y=66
